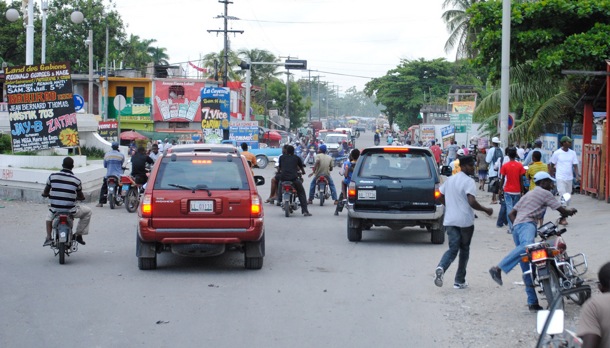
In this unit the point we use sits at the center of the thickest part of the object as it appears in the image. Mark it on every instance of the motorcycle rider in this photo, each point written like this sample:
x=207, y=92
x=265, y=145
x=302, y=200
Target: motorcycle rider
x=322, y=167
x=524, y=217
x=290, y=165
x=113, y=162
x=138, y=165
x=594, y=324
x=64, y=189
x=249, y=156
x=346, y=171
x=376, y=137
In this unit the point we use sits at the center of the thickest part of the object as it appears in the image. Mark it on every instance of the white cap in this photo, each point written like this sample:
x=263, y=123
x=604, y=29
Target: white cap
x=541, y=176
x=460, y=152
x=495, y=140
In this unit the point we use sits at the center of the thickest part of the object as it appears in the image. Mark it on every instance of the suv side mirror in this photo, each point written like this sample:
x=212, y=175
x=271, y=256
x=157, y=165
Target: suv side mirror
x=259, y=180
x=446, y=170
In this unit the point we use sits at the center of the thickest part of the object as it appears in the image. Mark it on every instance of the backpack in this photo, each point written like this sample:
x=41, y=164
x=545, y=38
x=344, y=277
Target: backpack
x=497, y=155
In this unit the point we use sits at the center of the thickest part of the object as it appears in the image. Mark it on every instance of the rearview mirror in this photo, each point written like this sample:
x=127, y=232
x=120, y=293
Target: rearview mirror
x=259, y=180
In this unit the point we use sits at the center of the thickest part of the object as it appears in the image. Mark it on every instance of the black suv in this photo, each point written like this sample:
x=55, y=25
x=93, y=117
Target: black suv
x=395, y=186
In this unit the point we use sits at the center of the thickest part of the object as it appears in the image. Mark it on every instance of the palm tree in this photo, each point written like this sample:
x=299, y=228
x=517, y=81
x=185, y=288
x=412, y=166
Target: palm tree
x=540, y=100
x=136, y=52
x=260, y=73
x=159, y=56
x=214, y=62
x=462, y=35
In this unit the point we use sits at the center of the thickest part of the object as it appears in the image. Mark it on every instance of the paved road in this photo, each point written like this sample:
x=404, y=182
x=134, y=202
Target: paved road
x=315, y=288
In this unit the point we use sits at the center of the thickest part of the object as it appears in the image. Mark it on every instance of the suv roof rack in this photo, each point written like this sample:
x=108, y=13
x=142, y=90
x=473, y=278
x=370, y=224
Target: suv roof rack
x=219, y=148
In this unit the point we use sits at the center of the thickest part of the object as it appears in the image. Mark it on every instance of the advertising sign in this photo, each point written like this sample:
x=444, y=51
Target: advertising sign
x=244, y=134
x=448, y=135
x=462, y=122
x=108, y=129
x=463, y=107
x=177, y=101
x=427, y=133
x=41, y=106
x=215, y=113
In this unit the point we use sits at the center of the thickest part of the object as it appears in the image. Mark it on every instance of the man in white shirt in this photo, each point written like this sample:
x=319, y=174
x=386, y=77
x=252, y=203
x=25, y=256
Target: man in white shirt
x=459, y=196
x=563, y=165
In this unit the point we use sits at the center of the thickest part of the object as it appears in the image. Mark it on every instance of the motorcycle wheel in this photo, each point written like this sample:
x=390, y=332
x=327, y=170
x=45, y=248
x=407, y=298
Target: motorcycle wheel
x=322, y=197
x=62, y=253
x=132, y=199
x=551, y=287
x=580, y=297
x=111, y=200
x=287, y=208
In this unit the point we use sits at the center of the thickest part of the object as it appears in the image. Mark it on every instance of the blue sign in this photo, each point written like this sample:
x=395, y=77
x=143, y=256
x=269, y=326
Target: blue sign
x=79, y=102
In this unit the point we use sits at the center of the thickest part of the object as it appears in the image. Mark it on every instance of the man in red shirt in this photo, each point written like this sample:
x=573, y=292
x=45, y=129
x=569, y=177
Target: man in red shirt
x=512, y=173
x=436, y=151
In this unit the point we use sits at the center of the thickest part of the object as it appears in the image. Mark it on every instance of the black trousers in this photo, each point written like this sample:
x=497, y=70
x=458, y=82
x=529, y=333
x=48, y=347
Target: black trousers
x=298, y=185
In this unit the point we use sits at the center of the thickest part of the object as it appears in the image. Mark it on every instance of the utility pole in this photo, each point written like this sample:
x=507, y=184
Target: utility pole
x=226, y=31
x=287, y=112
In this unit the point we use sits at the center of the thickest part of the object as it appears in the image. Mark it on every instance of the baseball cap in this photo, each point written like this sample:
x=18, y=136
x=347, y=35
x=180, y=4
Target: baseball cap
x=565, y=138
x=538, y=142
x=495, y=140
x=460, y=152
x=541, y=176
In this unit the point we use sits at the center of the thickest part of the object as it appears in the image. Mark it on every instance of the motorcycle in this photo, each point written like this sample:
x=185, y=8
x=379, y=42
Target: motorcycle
x=551, y=268
x=131, y=192
x=63, y=241
x=114, y=196
x=311, y=156
x=289, y=198
x=322, y=189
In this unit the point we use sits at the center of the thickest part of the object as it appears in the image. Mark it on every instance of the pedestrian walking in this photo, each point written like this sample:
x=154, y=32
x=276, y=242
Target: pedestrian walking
x=563, y=166
x=459, y=196
x=512, y=173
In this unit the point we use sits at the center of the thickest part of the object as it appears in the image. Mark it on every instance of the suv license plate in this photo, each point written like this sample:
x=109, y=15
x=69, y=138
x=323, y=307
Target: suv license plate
x=367, y=194
x=202, y=206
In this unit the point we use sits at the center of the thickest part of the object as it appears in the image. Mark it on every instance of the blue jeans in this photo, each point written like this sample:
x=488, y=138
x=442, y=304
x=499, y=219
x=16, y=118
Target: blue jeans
x=333, y=190
x=511, y=200
x=459, y=241
x=523, y=234
x=502, y=216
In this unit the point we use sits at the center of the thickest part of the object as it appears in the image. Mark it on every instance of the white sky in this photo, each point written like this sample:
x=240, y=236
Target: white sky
x=349, y=37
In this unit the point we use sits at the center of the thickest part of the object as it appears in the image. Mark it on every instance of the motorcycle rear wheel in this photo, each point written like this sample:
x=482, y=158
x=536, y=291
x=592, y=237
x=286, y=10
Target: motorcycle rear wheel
x=62, y=252
x=111, y=200
x=132, y=199
x=322, y=197
x=551, y=287
x=286, y=208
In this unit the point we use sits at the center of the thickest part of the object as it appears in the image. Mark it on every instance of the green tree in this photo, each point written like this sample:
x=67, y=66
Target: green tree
x=260, y=73
x=214, y=62
x=12, y=36
x=402, y=90
x=159, y=55
x=461, y=33
x=276, y=90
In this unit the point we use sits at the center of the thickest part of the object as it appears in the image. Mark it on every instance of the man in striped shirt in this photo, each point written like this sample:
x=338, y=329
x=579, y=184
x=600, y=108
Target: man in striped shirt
x=63, y=189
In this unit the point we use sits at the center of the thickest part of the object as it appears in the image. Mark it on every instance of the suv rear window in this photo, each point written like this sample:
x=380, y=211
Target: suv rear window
x=395, y=165
x=217, y=173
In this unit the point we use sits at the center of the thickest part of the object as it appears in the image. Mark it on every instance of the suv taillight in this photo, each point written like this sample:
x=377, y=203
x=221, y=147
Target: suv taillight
x=351, y=190
x=255, y=208
x=437, y=194
x=147, y=205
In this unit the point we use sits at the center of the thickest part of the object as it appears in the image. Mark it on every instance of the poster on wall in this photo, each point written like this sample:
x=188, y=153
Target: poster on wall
x=215, y=113
x=177, y=101
x=41, y=106
x=427, y=133
x=108, y=129
x=244, y=132
x=448, y=135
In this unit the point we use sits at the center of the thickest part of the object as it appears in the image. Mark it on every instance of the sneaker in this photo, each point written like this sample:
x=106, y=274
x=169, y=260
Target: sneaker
x=99, y=205
x=496, y=274
x=463, y=285
x=307, y=214
x=438, y=276
x=79, y=239
x=47, y=242
x=534, y=307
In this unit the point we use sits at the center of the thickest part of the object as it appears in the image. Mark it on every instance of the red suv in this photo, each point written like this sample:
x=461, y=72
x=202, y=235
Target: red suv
x=201, y=202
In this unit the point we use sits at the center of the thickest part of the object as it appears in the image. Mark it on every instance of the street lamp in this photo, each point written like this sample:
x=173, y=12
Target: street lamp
x=267, y=110
x=77, y=17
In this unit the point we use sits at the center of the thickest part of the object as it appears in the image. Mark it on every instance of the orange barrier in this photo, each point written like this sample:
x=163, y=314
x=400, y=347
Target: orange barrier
x=591, y=163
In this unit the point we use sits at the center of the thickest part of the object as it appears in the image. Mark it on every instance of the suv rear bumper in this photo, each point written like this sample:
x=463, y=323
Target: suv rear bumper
x=397, y=215
x=200, y=235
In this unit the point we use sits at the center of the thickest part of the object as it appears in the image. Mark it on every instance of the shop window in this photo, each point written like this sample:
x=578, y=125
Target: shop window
x=138, y=95
x=176, y=125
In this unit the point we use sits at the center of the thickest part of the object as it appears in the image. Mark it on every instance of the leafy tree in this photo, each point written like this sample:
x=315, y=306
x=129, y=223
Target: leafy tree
x=276, y=90
x=462, y=34
x=552, y=34
x=214, y=62
x=159, y=55
x=402, y=90
x=260, y=73
x=12, y=36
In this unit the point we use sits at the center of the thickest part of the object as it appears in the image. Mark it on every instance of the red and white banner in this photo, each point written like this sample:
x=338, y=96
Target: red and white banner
x=205, y=70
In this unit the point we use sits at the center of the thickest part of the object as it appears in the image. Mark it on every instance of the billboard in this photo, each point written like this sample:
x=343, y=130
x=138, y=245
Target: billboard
x=41, y=106
x=215, y=113
x=244, y=132
x=177, y=101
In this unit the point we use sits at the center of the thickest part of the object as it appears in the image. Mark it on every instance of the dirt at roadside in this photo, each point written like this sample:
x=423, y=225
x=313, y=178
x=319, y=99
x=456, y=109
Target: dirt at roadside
x=488, y=315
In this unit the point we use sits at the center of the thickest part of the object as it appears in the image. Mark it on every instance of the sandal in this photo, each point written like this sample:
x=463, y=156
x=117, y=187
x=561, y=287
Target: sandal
x=270, y=200
x=494, y=202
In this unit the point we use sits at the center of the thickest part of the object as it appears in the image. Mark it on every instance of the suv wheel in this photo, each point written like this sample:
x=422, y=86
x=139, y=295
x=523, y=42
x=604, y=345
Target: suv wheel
x=354, y=234
x=255, y=248
x=145, y=263
x=262, y=161
x=438, y=236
